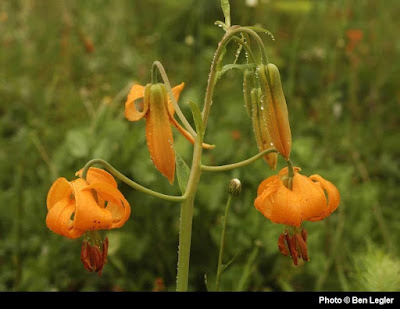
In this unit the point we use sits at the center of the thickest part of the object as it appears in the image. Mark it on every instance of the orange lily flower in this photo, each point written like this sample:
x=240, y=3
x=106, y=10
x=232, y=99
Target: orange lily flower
x=159, y=114
x=311, y=198
x=77, y=206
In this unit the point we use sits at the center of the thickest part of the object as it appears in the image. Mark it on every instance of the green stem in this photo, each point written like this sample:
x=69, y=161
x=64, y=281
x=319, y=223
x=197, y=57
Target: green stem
x=213, y=77
x=222, y=245
x=159, y=66
x=290, y=174
x=186, y=219
x=154, y=79
x=130, y=182
x=246, y=47
x=223, y=168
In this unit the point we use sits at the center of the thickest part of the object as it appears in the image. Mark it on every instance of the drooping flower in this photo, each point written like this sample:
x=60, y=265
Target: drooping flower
x=77, y=206
x=309, y=199
x=159, y=114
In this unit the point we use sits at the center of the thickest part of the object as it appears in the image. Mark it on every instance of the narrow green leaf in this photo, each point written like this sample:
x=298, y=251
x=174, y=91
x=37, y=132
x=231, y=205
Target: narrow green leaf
x=198, y=119
x=226, y=9
x=182, y=172
x=241, y=67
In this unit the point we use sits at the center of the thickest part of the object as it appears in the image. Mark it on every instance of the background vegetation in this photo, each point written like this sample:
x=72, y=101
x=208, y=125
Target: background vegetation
x=65, y=69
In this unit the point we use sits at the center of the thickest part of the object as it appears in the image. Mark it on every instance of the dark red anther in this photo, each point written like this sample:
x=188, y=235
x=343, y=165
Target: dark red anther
x=282, y=245
x=304, y=235
x=302, y=246
x=291, y=241
x=92, y=258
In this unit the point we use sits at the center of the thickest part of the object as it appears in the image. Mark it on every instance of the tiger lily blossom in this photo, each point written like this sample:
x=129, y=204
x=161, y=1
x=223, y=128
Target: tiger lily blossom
x=77, y=206
x=159, y=114
x=309, y=199
x=306, y=200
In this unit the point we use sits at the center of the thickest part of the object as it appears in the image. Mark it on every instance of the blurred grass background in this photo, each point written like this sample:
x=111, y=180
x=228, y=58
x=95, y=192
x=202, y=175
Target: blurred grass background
x=65, y=69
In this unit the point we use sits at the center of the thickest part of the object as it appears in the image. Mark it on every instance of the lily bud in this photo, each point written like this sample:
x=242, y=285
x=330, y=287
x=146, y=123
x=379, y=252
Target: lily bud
x=263, y=137
x=274, y=109
x=248, y=86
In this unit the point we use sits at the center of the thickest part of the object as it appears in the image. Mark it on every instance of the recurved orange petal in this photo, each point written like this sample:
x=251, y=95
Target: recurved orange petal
x=131, y=112
x=60, y=189
x=66, y=223
x=266, y=183
x=89, y=215
x=54, y=214
x=118, y=206
x=176, y=91
x=311, y=198
x=98, y=175
x=59, y=219
x=333, y=196
x=187, y=135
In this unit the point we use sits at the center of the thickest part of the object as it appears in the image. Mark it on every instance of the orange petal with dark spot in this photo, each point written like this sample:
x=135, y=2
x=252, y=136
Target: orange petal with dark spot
x=118, y=207
x=89, y=215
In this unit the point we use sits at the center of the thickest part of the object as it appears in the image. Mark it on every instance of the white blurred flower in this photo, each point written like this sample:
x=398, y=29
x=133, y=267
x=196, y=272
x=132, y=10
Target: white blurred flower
x=337, y=110
x=189, y=40
x=252, y=3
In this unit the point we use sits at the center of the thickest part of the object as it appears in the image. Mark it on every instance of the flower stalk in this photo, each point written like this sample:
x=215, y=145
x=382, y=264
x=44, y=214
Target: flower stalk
x=129, y=181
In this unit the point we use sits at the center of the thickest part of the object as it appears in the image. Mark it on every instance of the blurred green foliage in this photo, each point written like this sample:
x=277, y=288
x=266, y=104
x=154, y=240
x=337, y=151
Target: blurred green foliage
x=65, y=70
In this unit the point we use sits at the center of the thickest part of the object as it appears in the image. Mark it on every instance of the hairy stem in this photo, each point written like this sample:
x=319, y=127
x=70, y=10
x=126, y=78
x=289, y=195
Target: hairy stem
x=212, y=79
x=186, y=219
x=223, y=168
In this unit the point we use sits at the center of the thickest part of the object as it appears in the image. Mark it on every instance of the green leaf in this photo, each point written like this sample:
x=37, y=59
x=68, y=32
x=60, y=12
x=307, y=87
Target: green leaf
x=198, y=119
x=240, y=67
x=182, y=172
x=262, y=30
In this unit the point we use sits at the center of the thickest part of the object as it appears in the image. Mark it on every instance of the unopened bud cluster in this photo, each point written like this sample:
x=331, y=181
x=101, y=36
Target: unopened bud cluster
x=266, y=104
